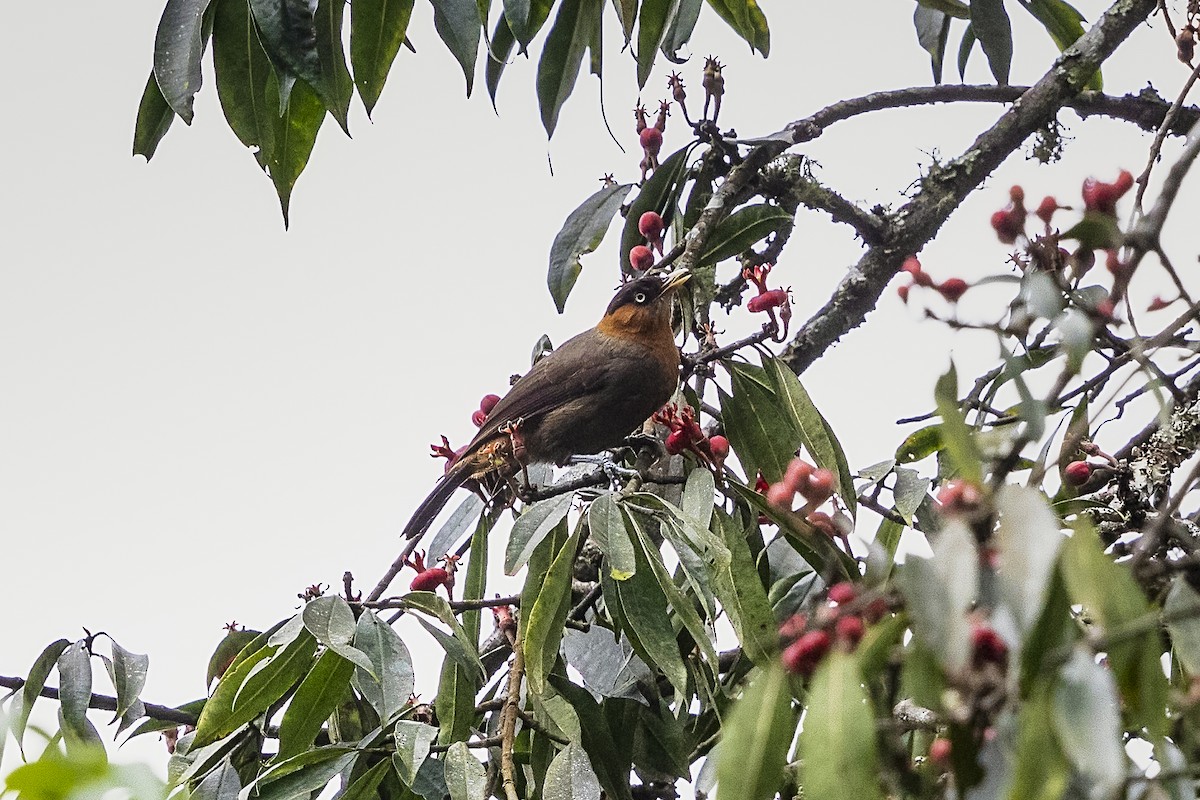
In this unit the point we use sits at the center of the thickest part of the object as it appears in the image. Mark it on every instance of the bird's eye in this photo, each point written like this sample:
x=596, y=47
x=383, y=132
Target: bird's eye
x=640, y=297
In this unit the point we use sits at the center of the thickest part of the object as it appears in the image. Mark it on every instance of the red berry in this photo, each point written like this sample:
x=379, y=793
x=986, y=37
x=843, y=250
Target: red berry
x=794, y=626
x=719, y=447
x=912, y=265
x=820, y=486
x=650, y=225
x=803, y=655
x=641, y=257
x=987, y=647
x=651, y=139
x=478, y=417
x=1123, y=183
x=958, y=496
x=797, y=474
x=429, y=580
x=1007, y=226
x=1017, y=195
x=923, y=279
x=903, y=290
x=1046, y=209
x=677, y=442
x=760, y=484
x=842, y=593
x=939, y=753
x=771, y=299
x=850, y=629
x=781, y=495
x=1077, y=473
x=876, y=610
x=488, y=402
x=953, y=288
x=1099, y=196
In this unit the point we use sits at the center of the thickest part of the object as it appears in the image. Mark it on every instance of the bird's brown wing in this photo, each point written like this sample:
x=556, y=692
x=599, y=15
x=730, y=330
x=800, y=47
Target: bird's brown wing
x=570, y=372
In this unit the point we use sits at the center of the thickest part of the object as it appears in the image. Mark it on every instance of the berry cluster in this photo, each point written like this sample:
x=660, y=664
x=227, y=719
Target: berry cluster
x=650, y=226
x=478, y=417
x=951, y=288
x=687, y=436
x=1009, y=222
x=486, y=404
x=842, y=620
x=815, y=485
x=769, y=299
x=429, y=578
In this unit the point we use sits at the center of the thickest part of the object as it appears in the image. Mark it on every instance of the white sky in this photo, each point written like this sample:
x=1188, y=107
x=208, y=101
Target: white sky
x=201, y=414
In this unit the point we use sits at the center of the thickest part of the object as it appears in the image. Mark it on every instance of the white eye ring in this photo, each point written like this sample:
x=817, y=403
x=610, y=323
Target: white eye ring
x=640, y=297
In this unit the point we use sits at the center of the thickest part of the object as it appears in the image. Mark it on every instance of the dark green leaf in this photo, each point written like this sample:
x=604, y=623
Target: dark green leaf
x=499, y=51
x=575, y=28
x=330, y=619
x=1182, y=613
x=815, y=433
x=743, y=228
x=228, y=649
x=609, y=530
x=36, y=680
x=1039, y=770
x=933, y=31
x=413, y=740
x=75, y=689
x=457, y=23
x=535, y=523
x=455, y=702
x=679, y=32
x=246, y=83
x=363, y=787
x=627, y=14
x=581, y=233
x=642, y=604
x=952, y=8
x=336, y=82
x=458, y=646
x=990, y=23
x=304, y=775
x=154, y=726
x=764, y=440
x=178, y=47
x=659, y=194
x=128, y=676
x=295, y=135
x=571, y=775
x=838, y=740
x=316, y=697
x=525, y=18
x=957, y=438
x=920, y=444
x=742, y=595
x=543, y=623
x=608, y=665
x=465, y=776
x=223, y=783
x=652, y=25
x=154, y=117
x=965, y=46
x=248, y=690
x=611, y=765
x=747, y=20
x=756, y=739
x=288, y=32
x=377, y=29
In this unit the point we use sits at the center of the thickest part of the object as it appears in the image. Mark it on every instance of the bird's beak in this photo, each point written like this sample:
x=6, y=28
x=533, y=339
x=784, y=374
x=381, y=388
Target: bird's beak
x=673, y=280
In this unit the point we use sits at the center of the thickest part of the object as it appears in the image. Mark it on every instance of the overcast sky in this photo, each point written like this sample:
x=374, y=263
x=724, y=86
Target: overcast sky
x=201, y=414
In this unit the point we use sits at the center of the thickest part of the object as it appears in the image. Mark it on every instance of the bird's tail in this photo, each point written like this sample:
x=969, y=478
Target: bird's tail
x=423, y=517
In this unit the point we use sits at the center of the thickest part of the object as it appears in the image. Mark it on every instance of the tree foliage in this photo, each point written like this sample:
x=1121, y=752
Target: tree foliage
x=726, y=604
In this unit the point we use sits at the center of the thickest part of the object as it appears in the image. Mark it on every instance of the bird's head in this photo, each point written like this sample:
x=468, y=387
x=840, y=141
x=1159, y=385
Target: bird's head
x=642, y=307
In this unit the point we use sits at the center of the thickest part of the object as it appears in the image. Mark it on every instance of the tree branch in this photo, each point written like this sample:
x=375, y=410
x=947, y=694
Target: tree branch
x=104, y=702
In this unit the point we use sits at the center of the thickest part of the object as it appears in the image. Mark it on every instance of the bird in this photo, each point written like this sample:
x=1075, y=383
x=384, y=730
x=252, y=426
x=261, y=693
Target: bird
x=586, y=396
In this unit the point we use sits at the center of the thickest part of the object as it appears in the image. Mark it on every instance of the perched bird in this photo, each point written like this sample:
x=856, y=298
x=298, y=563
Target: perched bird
x=584, y=397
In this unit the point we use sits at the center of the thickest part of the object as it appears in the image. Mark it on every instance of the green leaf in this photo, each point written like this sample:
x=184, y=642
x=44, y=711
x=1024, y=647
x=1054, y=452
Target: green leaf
x=764, y=440
x=458, y=645
x=940, y=590
x=1182, y=613
x=501, y=48
x=990, y=23
x=965, y=46
x=608, y=527
x=413, y=740
x=524, y=18
x=535, y=524
x=288, y=32
x=576, y=27
x=223, y=656
x=627, y=14
x=363, y=787
x=910, y=491
x=742, y=595
x=957, y=437
x=658, y=194
x=336, y=83
x=316, y=697
x=581, y=234
x=465, y=776
x=743, y=228
x=611, y=764
x=34, y=683
x=377, y=29
x=457, y=23
x=301, y=776
x=128, y=676
x=223, y=783
x=1039, y=770
x=248, y=690
x=245, y=79
x=652, y=25
x=679, y=32
x=1027, y=542
x=571, y=776
x=1112, y=601
x=75, y=689
x=295, y=135
x=920, y=444
x=330, y=619
x=1096, y=231
x=933, y=31
x=1064, y=23
x=838, y=740
x=1087, y=720
x=178, y=48
x=651, y=634
x=747, y=20
x=952, y=8
x=154, y=118
x=545, y=619
x=755, y=740
x=815, y=432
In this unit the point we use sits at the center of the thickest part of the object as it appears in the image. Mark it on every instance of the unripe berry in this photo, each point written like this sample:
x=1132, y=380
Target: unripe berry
x=478, y=417
x=804, y=654
x=842, y=593
x=650, y=225
x=719, y=447
x=850, y=629
x=677, y=442
x=770, y=299
x=1077, y=473
x=488, y=402
x=953, y=288
x=651, y=139
x=641, y=257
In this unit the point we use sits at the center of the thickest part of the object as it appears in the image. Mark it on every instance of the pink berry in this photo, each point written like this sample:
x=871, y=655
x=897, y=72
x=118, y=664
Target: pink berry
x=719, y=447
x=804, y=654
x=650, y=225
x=842, y=593
x=488, y=402
x=770, y=299
x=651, y=140
x=1077, y=473
x=1045, y=210
x=939, y=753
x=478, y=417
x=641, y=257
x=820, y=486
x=953, y=288
x=781, y=495
x=850, y=629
